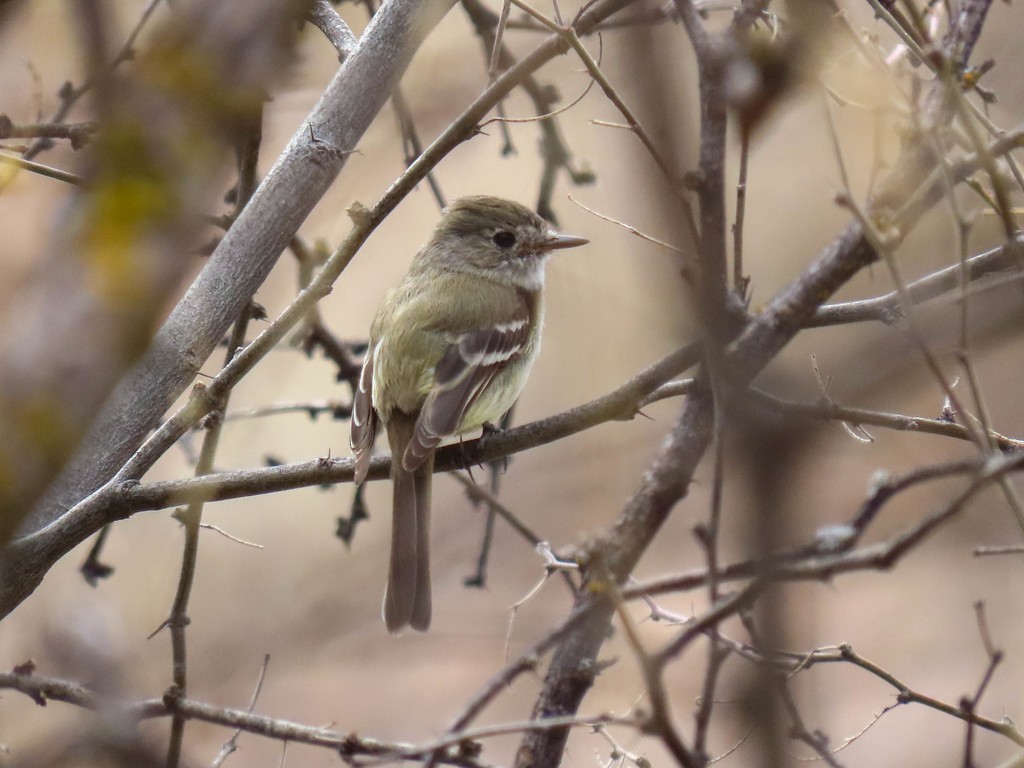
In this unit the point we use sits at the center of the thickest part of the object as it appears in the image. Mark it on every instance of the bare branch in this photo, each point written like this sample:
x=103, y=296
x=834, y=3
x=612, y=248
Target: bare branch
x=262, y=231
x=325, y=18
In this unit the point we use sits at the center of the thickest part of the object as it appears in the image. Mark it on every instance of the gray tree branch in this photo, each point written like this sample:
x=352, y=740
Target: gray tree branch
x=242, y=260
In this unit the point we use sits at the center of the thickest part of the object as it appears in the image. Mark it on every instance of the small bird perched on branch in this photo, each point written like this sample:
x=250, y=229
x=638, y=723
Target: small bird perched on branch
x=450, y=350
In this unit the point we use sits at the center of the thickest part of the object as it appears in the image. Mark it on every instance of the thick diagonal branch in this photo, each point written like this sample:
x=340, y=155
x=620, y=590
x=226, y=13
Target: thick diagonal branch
x=242, y=260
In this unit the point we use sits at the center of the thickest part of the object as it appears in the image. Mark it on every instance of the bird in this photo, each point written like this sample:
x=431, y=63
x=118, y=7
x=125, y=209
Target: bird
x=449, y=352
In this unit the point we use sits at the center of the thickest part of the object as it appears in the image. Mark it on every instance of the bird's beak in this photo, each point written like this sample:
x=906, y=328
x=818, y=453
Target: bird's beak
x=557, y=242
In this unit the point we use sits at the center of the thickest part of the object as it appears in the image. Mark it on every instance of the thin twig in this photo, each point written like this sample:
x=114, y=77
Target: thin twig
x=313, y=409
x=232, y=744
x=628, y=227
x=77, y=133
x=887, y=308
x=571, y=36
x=70, y=94
x=191, y=518
x=42, y=170
x=908, y=695
x=411, y=142
x=477, y=493
x=739, y=280
x=659, y=721
x=325, y=18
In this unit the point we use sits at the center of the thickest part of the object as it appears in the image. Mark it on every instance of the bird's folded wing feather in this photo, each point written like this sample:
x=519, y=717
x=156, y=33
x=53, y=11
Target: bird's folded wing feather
x=468, y=366
x=364, y=419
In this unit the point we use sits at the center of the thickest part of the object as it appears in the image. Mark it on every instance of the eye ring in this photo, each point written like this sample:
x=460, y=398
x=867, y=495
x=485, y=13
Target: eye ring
x=504, y=239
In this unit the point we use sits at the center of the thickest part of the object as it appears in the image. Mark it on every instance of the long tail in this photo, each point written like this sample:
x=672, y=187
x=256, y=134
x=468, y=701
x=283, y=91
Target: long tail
x=407, y=597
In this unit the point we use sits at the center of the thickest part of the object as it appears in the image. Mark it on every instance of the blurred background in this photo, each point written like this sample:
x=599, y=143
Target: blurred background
x=614, y=307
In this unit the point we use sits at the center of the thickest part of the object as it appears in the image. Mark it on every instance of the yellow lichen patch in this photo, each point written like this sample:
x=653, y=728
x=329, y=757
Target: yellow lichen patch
x=7, y=174
x=7, y=477
x=44, y=437
x=43, y=429
x=131, y=198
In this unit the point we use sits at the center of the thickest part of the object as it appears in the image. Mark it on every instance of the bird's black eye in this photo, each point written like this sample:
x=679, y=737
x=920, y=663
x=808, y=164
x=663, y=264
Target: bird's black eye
x=504, y=239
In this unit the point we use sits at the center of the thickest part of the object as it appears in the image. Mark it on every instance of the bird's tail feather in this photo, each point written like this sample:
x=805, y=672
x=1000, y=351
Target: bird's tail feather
x=407, y=597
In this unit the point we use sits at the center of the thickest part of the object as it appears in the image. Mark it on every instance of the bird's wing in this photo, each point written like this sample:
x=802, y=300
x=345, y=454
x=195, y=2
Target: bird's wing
x=468, y=366
x=364, y=418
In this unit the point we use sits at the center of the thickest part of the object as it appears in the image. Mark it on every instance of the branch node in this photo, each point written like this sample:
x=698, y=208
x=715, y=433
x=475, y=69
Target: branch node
x=359, y=213
x=692, y=180
x=172, y=697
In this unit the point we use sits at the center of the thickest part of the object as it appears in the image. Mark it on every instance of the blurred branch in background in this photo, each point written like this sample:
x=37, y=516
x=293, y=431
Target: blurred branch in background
x=242, y=260
x=124, y=237
x=249, y=249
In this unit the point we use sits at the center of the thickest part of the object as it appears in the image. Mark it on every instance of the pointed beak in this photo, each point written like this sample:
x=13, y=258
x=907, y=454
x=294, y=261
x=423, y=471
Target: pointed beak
x=557, y=242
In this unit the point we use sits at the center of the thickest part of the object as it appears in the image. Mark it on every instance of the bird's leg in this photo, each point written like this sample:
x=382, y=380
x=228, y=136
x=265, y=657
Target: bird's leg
x=489, y=429
x=466, y=464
